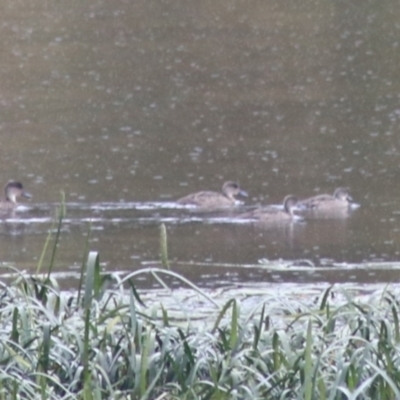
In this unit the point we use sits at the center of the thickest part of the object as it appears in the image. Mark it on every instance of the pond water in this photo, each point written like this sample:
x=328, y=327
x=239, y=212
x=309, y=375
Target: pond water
x=127, y=106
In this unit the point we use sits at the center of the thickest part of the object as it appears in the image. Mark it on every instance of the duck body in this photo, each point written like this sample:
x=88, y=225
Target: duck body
x=340, y=199
x=272, y=214
x=210, y=199
x=12, y=191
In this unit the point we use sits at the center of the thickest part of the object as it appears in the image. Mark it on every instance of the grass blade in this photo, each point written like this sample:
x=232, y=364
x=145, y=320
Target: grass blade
x=164, y=247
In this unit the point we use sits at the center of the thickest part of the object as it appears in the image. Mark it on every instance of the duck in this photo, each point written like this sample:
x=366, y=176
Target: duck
x=209, y=199
x=12, y=191
x=340, y=199
x=272, y=214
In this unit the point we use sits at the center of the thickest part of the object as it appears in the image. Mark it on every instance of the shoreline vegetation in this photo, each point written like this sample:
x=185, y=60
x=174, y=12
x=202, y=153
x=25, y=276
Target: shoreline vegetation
x=104, y=342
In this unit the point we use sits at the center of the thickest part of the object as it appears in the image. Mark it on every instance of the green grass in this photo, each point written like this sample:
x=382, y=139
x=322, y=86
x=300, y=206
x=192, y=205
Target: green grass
x=99, y=343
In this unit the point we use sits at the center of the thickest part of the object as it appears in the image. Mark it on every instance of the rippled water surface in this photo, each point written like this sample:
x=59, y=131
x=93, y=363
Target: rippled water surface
x=127, y=106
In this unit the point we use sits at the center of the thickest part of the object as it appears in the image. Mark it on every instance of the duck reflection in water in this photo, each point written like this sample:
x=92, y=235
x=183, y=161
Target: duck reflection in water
x=12, y=191
x=212, y=200
x=273, y=215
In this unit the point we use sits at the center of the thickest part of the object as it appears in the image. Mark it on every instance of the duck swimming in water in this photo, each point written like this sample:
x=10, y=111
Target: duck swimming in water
x=272, y=214
x=208, y=199
x=12, y=191
x=340, y=199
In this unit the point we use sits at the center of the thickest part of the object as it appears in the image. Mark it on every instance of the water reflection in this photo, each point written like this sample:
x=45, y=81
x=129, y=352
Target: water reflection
x=193, y=238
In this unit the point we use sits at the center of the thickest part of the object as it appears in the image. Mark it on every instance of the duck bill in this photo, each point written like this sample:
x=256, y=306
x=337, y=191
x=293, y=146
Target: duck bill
x=300, y=207
x=243, y=193
x=26, y=195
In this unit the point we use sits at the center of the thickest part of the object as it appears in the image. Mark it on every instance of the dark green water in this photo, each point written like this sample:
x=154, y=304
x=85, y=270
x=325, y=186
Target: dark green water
x=125, y=104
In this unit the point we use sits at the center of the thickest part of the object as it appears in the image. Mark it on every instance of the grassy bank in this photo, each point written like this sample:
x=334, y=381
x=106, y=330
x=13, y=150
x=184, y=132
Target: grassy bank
x=95, y=345
x=99, y=343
